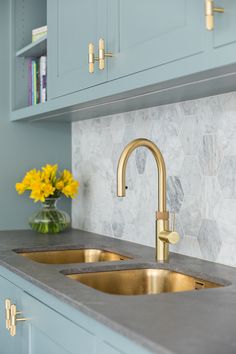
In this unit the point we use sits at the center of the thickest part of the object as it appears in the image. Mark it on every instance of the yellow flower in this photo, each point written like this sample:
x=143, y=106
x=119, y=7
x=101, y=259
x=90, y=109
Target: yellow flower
x=20, y=188
x=49, y=171
x=31, y=177
x=67, y=176
x=46, y=183
x=37, y=195
x=70, y=190
x=48, y=190
x=59, y=185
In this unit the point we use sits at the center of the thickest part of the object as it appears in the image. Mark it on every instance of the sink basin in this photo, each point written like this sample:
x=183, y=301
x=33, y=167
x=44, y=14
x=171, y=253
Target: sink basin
x=83, y=255
x=141, y=281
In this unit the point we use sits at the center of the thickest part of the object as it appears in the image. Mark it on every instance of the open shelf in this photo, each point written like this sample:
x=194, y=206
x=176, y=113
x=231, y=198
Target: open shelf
x=34, y=49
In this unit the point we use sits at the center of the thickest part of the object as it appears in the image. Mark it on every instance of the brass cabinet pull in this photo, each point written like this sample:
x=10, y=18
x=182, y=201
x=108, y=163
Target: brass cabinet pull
x=209, y=13
x=11, y=317
x=91, y=58
x=8, y=313
x=101, y=56
x=14, y=320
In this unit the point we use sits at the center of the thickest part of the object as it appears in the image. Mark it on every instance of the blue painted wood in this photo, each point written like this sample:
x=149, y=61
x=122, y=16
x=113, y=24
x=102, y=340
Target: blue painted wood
x=72, y=26
x=25, y=16
x=52, y=320
x=19, y=343
x=35, y=49
x=225, y=24
x=151, y=33
x=52, y=333
x=23, y=146
x=161, y=46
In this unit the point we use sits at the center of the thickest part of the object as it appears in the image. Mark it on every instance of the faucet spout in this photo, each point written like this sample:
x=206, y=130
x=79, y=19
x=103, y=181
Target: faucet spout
x=161, y=168
x=163, y=235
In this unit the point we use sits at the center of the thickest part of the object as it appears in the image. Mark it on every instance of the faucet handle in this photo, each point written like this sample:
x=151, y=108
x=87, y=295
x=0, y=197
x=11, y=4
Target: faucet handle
x=169, y=237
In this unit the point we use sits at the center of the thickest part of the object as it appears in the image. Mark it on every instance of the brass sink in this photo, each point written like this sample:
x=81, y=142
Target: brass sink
x=84, y=255
x=141, y=281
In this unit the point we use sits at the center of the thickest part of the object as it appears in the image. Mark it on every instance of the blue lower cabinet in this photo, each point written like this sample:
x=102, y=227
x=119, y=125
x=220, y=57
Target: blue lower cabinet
x=52, y=333
x=19, y=343
x=49, y=330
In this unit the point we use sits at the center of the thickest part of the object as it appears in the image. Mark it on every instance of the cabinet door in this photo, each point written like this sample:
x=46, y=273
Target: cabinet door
x=225, y=24
x=50, y=332
x=72, y=25
x=146, y=34
x=19, y=343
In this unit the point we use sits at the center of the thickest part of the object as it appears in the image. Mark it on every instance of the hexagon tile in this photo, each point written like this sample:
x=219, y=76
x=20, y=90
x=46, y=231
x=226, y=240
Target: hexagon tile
x=197, y=139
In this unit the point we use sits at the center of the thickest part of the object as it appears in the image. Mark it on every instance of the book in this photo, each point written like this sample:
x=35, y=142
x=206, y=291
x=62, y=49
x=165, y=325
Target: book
x=39, y=32
x=37, y=80
x=30, y=82
x=34, y=81
x=43, y=78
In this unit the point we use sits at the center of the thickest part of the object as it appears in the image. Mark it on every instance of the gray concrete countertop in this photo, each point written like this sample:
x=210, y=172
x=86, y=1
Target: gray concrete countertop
x=198, y=322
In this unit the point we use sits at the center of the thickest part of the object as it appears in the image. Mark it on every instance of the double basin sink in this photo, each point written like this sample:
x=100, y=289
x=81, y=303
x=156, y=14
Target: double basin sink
x=134, y=281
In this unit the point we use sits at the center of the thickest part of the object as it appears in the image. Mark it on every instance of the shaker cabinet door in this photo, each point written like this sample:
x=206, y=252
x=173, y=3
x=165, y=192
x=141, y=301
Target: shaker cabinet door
x=224, y=31
x=151, y=33
x=72, y=25
x=19, y=343
x=52, y=333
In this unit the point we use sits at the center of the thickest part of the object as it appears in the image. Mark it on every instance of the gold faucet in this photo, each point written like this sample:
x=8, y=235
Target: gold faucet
x=163, y=235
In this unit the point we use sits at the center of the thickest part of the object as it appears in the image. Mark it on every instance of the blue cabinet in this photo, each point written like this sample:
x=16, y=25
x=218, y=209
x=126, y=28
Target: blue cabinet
x=224, y=32
x=73, y=24
x=52, y=326
x=50, y=332
x=46, y=331
x=158, y=46
x=19, y=343
x=147, y=34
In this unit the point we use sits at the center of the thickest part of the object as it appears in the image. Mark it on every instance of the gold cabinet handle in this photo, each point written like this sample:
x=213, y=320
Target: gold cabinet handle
x=91, y=58
x=14, y=320
x=8, y=313
x=209, y=13
x=102, y=54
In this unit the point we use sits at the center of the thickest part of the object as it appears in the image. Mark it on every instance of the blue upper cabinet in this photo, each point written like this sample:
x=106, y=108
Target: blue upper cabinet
x=73, y=24
x=224, y=31
x=156, y=46
x=151, y=33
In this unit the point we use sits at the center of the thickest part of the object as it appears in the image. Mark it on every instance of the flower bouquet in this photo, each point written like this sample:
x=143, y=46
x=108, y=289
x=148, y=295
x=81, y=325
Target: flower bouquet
x=47, y=186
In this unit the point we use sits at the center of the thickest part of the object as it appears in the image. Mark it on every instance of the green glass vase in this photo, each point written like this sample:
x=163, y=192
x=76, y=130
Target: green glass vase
x=49, y=219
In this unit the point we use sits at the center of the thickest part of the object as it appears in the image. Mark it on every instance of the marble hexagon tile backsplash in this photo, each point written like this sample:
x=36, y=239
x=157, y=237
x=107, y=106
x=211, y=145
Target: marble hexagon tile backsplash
x=198, y=142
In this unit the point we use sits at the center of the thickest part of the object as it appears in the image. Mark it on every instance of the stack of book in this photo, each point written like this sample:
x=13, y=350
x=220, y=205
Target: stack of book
x=37, y=74
x=39, y=32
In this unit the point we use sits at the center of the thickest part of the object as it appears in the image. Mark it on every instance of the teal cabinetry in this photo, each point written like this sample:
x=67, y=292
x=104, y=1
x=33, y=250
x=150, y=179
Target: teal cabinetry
x=73, y=24
x=146, y=34
x=46, y=331
x=225, y=25
x=50, y=332
x=52, y=326
x=7, y=344
x=161, y=49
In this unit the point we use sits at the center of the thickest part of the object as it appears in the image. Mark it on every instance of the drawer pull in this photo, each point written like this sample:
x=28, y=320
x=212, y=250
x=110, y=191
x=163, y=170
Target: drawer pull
x=14, y=320
x=209, y=13
x=8, y=313
x=11, y=317
x=102, y=55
